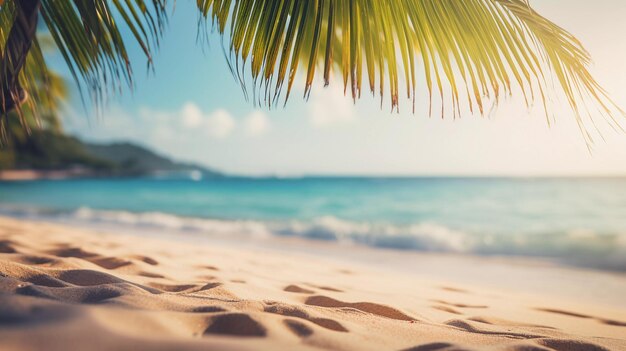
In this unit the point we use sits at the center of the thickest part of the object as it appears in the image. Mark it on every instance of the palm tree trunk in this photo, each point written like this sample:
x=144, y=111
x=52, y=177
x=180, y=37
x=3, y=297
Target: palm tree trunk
x=16, y=49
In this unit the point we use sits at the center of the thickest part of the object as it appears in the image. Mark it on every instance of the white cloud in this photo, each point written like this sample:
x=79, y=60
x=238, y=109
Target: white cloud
x=256, y=123
x=220, y=124
x=191, y=115
x=329, y=107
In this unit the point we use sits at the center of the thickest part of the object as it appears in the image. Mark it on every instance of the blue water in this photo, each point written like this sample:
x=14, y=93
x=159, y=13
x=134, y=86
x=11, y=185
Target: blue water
x=578, y=221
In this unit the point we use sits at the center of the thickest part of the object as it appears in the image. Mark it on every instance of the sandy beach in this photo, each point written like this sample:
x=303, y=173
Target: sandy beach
x=70, y=288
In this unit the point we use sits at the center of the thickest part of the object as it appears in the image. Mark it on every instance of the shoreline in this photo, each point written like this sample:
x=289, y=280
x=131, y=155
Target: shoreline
x=510, y=274
x=24, y=175
x=579, y=250
x=163, y=292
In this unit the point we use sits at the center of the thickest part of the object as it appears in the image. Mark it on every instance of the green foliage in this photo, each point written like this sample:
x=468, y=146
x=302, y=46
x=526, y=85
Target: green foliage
x=131, y=159
x=47, y=150
x=87, y=34
x=478, y=50
x=466, y=52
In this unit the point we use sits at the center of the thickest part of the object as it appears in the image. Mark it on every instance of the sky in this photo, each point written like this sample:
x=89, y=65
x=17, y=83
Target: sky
x=192, y=109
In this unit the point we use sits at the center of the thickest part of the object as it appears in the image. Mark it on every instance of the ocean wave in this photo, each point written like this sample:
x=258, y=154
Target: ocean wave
x=577, y=247
x=159, y=220
x=422, y=237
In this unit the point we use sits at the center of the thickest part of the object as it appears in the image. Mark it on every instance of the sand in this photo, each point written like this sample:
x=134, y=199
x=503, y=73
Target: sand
x=18, y=175
x=65, y=288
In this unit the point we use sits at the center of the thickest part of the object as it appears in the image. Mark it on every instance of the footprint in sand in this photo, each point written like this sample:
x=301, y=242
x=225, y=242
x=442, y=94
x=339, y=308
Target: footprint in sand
x=68, y=251
x=299, y=312
x=368, y=307
x=298, y=328
x=150, y=275
x=145, y=259
x=184, y=288
x=236, y=324
x=88, y=277
x=296, y=289
x=208, y=309
x=435, y=346
x=327, y=288
x=99, y=260
x=570, y=345
x=209, y=267
x=35, y=260
x=7, y=246
x=173, y=288
x=504, y=322
x=583, y=316
x=446, y=309
x=458, y=305
x=472, y=327
x=110, y=262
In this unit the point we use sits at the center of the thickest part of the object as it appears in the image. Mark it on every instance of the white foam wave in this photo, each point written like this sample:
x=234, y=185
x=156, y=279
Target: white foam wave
x=424, y=236
x=579, y=247
x=166, y=221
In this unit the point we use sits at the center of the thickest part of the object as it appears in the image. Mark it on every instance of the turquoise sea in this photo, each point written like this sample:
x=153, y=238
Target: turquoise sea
x=574, y=221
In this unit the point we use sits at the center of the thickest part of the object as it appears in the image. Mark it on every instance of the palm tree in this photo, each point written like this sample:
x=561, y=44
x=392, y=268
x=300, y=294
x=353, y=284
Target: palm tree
x=475, y=50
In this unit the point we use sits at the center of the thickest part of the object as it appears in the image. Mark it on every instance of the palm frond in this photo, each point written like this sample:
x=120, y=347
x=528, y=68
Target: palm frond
x=475, y=51
x=45, y=89
x=465, y=53
x=88, y=35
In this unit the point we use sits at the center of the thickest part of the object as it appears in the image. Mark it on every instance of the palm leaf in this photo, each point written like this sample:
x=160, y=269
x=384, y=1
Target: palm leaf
x=88, y=35
x=467, y=53
x=45, y=88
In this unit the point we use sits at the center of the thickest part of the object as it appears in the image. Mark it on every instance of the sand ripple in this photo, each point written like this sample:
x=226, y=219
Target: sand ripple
x=62, y=288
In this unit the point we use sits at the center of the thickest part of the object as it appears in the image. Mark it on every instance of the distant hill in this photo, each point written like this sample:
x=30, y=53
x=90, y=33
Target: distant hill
x=135, y=159
x=47, y=151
